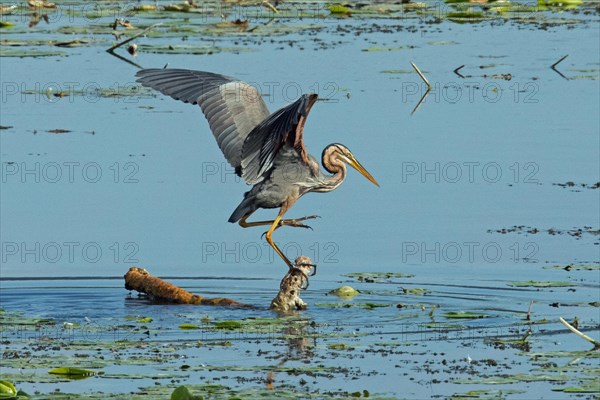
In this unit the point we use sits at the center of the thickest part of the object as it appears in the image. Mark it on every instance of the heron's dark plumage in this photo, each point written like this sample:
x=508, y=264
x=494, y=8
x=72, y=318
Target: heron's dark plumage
x=232, y=107
x=247, y=134
x=263, y=143
x=267, y=150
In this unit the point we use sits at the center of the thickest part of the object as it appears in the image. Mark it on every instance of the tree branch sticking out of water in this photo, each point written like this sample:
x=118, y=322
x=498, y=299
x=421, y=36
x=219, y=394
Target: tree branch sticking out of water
x=296, y=280
x=553, y=67
x=424, y=94
x=111, y=50
x=148, y=29
x=580, y=334
x=421, y=74
x=458, y=69
x=529, y=310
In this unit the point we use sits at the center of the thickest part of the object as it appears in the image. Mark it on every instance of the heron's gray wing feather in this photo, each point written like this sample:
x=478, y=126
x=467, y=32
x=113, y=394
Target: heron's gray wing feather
x=262, y=144
x=232, y=107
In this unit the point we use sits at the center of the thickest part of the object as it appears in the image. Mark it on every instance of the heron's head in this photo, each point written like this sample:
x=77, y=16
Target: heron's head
x=335, y=155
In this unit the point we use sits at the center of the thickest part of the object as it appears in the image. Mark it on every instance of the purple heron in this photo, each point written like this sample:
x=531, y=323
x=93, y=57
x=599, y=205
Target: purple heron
x=266, y=150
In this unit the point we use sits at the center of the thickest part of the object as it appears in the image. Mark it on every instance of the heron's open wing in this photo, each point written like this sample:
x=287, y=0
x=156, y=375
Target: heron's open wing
x=233, y=108
x=284, y=126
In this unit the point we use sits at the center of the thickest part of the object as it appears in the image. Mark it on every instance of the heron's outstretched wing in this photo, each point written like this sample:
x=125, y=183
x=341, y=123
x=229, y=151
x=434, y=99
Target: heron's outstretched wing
x=233, y=108
x=248, y=136
x=284, y=126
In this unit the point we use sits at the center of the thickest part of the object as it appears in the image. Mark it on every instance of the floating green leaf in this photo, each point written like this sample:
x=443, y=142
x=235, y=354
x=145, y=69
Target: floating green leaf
x=7, y=389
x=188, y=326
x=339, y=9
x=344, y=291
x=72, y=372
x=229, y=325
x=338, y=346
x=182, y=393
x=30, y=53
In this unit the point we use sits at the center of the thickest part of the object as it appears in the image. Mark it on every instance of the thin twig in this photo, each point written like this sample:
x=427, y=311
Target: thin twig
x=421, y=101
x=458, y=69
x=580, y=334
x=110, y=50
x=120, y=57
x=421, y=74
x=261, y=26
x=529, y=311
x=270, y=6
x=558, y=62
x=553, y=67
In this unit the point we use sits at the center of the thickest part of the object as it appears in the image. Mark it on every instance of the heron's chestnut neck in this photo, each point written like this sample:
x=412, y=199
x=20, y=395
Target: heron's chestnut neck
x=331, y=161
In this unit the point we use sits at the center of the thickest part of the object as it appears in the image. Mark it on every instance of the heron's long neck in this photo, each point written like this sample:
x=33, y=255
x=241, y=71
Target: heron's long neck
x=335, y=166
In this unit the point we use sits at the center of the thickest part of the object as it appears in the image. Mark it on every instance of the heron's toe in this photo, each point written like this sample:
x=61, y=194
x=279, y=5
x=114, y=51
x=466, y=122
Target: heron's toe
x=297, y=224
x=309, y=217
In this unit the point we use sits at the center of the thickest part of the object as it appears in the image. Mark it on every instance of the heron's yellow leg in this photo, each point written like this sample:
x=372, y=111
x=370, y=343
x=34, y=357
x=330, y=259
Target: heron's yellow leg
x=244, y=224
x=269, y=238
x=289, y=222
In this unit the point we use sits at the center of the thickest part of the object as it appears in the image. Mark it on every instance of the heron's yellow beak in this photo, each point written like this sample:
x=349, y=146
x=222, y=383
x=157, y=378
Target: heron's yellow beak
x=353, y=162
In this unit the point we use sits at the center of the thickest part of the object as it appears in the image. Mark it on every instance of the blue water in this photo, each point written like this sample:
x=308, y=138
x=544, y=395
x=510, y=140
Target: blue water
x=139, y=181
x=448, y=173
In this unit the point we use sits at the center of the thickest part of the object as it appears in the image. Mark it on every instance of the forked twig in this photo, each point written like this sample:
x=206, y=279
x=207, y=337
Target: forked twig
x=553, y=67
x=458, y=69
x=580, y=334
x=421, y=101
x=428, y=88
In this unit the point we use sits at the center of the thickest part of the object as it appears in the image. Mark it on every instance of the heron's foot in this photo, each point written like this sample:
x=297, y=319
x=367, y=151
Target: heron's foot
x=305, y=218
x=296, y=222
x=304, y=277
x=305, y=269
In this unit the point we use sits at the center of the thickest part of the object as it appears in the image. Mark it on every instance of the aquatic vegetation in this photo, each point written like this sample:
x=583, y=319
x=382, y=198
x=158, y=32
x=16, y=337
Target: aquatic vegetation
x=541, y=284
x=416, y=291
x=31, y=53
x=73, y=373
x=464, y=315
x=188, y=326
x=185, y=49
x=371, y=277
x=344, y=291
x=475, y=340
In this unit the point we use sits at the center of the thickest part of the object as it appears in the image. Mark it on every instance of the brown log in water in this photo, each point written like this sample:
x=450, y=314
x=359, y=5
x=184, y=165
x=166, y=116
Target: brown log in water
x=140, y=280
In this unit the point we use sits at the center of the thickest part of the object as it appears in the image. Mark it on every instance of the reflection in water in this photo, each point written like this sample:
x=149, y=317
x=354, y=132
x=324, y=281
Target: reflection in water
x=301, y=340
